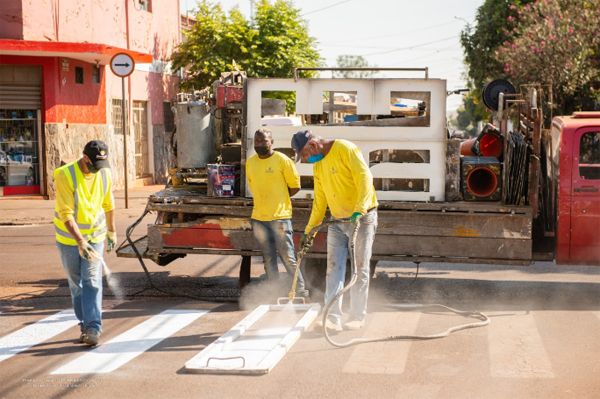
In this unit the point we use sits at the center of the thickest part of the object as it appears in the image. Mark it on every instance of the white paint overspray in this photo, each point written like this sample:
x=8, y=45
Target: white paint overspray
x=113, y=282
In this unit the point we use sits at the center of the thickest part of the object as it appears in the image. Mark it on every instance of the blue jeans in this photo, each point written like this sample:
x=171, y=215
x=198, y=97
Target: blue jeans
x=338, y=243
x=85, y=283
x=275, y=238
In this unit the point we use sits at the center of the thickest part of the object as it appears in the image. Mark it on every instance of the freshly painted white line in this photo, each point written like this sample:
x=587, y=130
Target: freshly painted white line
x=118, y=351
x=36, y=333
x=516, y=348
x=384, y=357
x=246, y=349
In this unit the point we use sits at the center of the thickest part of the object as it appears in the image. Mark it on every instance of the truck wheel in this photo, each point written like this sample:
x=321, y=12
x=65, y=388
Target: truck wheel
x=372, y=265
x=314, y=272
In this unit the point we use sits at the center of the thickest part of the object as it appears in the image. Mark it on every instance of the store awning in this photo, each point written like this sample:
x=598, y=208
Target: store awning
x=88, y=52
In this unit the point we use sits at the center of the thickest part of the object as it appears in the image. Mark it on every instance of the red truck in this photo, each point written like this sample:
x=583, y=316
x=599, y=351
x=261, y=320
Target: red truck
x=537, y=200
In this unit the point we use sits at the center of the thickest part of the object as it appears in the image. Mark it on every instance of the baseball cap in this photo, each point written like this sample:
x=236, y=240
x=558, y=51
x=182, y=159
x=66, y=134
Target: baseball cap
x=97, y=152
x=299, y=140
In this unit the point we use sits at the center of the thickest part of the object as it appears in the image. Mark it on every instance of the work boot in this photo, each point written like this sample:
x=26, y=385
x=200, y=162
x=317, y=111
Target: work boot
x=91, y=337
x=354, y=324
x=331, y=325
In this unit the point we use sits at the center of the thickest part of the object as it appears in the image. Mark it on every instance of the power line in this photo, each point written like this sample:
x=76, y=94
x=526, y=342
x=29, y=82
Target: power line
x=399, y=33
x=325, y=8
x=411, y=47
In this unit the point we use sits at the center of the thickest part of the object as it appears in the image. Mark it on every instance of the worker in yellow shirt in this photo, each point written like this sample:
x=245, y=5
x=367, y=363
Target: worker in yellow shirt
x=84, y=209
x=344, y=184
x=273, y=179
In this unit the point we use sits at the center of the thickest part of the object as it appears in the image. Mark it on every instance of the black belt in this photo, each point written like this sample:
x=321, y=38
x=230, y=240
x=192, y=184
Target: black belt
x=372, y=209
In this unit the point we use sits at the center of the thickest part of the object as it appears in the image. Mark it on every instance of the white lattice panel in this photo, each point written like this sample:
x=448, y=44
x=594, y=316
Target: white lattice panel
x=373, y=98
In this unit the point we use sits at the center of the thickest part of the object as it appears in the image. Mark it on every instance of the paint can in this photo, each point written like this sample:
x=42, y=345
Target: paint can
x=221, y=179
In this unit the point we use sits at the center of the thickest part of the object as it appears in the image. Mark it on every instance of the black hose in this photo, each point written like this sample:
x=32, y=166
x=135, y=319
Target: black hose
x=484, y=320
x=128, y=233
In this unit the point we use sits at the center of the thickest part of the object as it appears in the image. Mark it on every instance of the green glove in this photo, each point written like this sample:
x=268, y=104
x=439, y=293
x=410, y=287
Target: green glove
x=111, y=240
x=355, y=216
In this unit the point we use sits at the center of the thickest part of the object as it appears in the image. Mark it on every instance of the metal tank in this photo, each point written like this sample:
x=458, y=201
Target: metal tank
x=195, y=138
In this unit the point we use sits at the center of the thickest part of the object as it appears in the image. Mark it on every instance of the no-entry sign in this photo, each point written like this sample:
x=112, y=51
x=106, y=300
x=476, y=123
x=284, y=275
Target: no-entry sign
x=122, y=64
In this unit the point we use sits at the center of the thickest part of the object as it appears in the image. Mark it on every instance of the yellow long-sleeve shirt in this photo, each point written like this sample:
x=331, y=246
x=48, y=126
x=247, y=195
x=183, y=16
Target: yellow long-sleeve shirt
x=269, y=180
x=342, y=182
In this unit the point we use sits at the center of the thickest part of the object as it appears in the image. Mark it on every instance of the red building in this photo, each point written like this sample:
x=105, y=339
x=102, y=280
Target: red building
x=57, y=92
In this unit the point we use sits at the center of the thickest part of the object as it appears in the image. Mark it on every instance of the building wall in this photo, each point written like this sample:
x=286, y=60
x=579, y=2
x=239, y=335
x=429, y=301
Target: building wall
x=64, y=100
x=103, y=22
x=11, y=19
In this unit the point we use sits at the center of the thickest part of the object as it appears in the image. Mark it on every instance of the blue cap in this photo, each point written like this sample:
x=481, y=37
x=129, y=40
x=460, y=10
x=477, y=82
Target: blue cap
x=299, y=140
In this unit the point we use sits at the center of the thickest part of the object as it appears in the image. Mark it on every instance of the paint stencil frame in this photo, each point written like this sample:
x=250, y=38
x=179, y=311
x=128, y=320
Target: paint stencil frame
x=248, y=349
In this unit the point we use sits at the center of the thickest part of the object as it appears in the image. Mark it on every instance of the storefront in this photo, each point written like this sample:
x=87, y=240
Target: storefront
x=20, y=126
x=19, y=152
x=53, y=100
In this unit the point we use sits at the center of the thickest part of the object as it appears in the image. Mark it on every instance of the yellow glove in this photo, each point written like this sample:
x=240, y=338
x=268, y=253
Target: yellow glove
x=111, y=240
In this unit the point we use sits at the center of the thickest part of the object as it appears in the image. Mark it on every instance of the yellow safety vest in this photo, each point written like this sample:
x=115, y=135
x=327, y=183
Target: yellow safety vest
x=88, y=212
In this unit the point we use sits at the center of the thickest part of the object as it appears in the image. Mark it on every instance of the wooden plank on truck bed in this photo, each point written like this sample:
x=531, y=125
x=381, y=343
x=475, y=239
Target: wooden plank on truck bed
x=447, y=224
x=237, y=237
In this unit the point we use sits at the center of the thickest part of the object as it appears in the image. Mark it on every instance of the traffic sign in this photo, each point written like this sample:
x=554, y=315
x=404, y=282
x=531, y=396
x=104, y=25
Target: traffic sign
x=122, y=64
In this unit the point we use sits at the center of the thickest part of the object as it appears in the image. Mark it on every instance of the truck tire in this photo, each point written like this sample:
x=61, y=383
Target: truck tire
x=314, y=271
x=372, y=266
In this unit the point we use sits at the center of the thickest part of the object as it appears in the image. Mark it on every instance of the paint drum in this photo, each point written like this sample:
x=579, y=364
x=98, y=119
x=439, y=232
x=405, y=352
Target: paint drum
x=222, y=179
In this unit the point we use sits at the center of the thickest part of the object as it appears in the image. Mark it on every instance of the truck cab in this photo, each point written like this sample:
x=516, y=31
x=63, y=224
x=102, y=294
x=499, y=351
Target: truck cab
x=576, y=161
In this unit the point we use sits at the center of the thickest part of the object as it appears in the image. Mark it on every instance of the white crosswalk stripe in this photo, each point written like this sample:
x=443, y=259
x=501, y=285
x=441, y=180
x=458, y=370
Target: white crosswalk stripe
x=516, y=348
x=116, y=352
x=384, y=357
x=36, y=333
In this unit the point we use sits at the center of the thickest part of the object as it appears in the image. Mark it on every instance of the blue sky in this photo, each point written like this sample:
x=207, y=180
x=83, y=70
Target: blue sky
x=388, y=33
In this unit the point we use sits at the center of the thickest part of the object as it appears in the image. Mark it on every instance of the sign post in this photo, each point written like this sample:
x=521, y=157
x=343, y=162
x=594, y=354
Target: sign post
x=123, y=65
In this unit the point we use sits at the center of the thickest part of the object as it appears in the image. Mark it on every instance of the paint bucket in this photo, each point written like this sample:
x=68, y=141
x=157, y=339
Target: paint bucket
x=221, y=180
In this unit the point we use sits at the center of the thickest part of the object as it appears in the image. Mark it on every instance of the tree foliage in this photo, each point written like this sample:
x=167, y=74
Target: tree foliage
x=557, y=43
x=352, y=61
x=494, y=24
x=270, y=46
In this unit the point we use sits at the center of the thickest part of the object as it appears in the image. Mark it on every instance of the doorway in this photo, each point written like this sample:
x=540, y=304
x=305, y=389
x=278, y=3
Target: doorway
x=140, y=131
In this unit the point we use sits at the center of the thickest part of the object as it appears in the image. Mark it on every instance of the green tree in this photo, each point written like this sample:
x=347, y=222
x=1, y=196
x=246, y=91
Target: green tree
x=352, y=61
x=470, y=112
x=272, y=46
x=494, y=24
x=557, y=43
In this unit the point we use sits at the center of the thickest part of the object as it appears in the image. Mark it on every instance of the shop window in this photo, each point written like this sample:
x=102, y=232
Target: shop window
x=19, y=152
x=79, y=75
x=589, y=156
x=96, y=74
